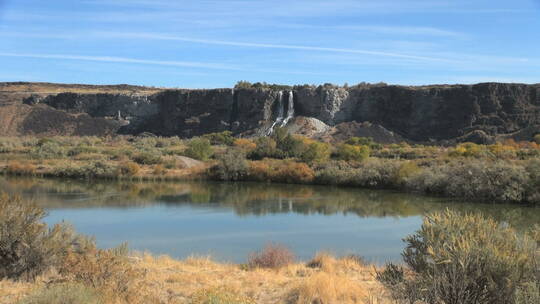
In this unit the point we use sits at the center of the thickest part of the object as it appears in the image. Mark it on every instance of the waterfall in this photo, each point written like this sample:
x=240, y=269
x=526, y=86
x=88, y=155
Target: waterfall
x=290, y=109
x=279, y=118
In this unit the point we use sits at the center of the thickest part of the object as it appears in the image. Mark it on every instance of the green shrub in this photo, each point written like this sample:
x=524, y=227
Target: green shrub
x=475, y=179
x=82, y=149
x=406, y=170
x=353, y=153
x=49, y=149
x=27, y=246
x=147, y=158
x=463, y=258
x=533, y=188
x=97, y=169
x=374, y=173
x=199, y=148
x=316, y=152
x=67, y=293
x=221, y=138
x=363, y=141
x=266, y=147
x=288, y=145
x=232, y=166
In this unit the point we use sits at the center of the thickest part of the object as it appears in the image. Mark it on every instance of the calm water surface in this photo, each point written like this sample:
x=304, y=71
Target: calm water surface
x=230, y=220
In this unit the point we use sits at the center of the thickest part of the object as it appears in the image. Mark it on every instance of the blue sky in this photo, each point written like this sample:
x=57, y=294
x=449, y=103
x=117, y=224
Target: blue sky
x=215, y=43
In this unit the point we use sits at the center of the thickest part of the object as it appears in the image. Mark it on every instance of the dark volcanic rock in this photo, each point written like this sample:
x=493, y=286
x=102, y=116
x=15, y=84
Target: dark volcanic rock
x=190, y=113
x=429, y=113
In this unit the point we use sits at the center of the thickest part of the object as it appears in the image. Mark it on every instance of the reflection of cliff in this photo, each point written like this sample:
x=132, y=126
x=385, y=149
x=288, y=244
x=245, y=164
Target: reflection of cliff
x=415, y=113
x=251, y=199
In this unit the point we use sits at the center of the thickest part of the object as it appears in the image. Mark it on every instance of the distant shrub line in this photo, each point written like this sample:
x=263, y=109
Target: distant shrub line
x=502, y=172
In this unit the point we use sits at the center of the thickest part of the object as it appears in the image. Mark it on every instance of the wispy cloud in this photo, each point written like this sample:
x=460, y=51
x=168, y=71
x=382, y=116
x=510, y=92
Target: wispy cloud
x=155, y=36
x=403, y=30
x=311, y=8
x=188, y=64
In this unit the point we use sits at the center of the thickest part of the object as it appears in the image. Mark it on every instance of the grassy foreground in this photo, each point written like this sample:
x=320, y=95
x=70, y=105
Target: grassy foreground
x=502, y=172
x=201, y=280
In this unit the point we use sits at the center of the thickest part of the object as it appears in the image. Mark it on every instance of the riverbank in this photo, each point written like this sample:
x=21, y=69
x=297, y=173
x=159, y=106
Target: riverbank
x=201, y=280
x=504, y=172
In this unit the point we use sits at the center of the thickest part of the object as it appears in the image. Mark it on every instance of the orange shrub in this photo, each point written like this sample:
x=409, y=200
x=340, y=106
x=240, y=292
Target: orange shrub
x=280, y=171
x=259, y=171
x=159, y=170
x=293, y=172
x=245, y=144
x=20, y=168
x=272, y=256
x=128, y=168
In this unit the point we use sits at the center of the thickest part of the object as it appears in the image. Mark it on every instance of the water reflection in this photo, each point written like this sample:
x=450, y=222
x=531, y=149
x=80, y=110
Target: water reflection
x=230, y=219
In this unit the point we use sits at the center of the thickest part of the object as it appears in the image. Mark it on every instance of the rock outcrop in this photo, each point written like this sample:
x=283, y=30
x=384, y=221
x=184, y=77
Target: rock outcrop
x=480, y=112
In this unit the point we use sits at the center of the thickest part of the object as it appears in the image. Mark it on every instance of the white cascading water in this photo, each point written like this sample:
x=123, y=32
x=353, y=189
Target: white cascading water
x=279, y=118
x=290, y=109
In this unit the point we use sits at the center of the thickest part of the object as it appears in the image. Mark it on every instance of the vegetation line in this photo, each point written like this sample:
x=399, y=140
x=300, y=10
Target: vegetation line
x=503, y=172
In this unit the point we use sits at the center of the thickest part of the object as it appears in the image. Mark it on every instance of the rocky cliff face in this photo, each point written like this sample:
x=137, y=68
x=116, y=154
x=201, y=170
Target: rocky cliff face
x=429, y=113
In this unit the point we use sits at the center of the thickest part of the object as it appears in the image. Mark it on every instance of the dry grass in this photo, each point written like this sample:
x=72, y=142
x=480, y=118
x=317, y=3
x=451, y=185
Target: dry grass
x=202, y=280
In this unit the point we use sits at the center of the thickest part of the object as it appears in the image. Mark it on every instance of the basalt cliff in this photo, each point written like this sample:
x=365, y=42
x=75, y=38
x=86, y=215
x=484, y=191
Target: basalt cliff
x=439, y=113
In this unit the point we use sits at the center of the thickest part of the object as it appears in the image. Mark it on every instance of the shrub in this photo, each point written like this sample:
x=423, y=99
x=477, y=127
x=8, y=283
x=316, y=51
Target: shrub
x=293, y=172
x=316, y=152
x=353, y=153
x=265, y=147
x=463, y=258
x=406, y=170
x=80, y=149
x=272, y=256
x=221, y=138
x=49, y=149
x=289, y=145
x=281, y=171
x=481, y=180
x=147, y=158
x=232, y=166
x=27, y=246
x=245, y=144
x=467, y=150
x=20, y=168
x=363, y=141
x=106, y=270
x=373, y=173
x=128, y=168
x=199, y=148
x=67, y=293
x=97, y=169
x=533, y=188
x=159, y=170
